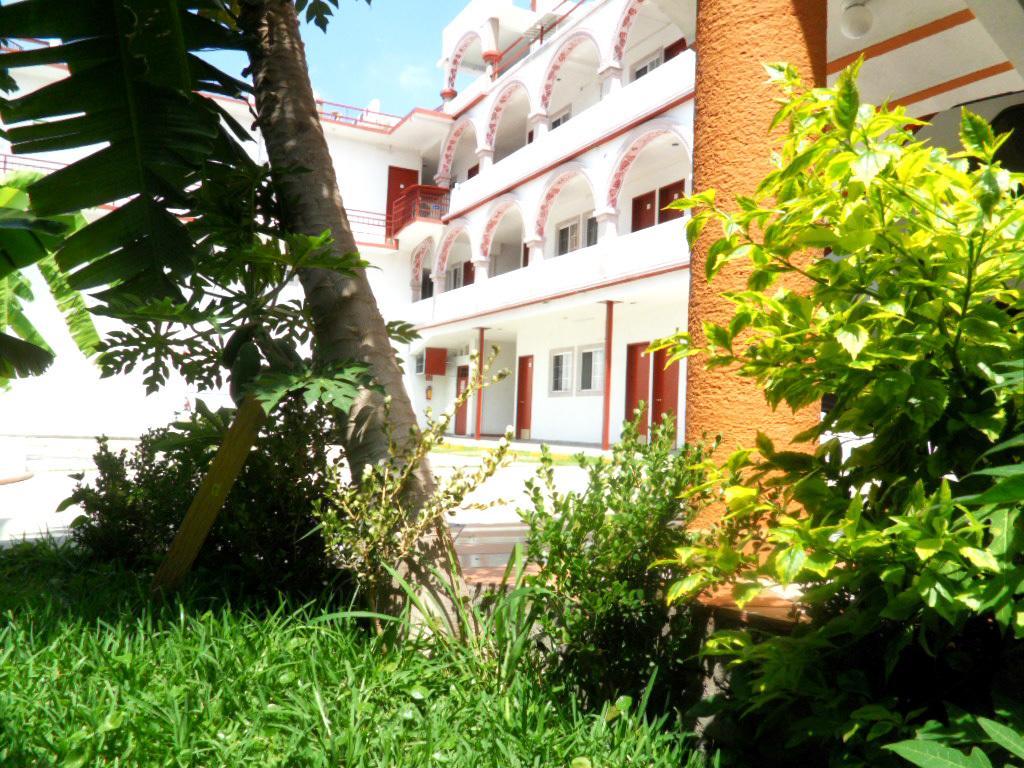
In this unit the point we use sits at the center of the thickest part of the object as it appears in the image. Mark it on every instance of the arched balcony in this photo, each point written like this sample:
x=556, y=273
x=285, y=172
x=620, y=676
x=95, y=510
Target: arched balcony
x=420, y=280
x=566, y=219
x=645, y=38
x=508, y=128
x=652, y=170
x=571, y=83
x=503, y=240
x=454, y=268
x=459, y=69
x=458, y=160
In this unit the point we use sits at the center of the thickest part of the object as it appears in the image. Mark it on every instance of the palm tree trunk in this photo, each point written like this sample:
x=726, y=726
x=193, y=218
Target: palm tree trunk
x=347, y=323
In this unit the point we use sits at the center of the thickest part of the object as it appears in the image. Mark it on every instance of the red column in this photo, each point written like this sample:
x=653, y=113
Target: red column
x=480, y=380
x=609, y=321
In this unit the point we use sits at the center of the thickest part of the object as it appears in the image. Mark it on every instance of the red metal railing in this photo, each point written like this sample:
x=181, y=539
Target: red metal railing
x=368, y=226
x=420, y=201
x=520, y=47
x=346, y=113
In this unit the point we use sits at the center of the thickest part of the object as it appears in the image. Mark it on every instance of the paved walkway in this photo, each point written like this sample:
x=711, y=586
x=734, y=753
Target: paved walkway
x=28, y=508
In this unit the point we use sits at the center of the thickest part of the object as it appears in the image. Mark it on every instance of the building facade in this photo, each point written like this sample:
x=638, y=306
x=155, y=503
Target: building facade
x=527, y=212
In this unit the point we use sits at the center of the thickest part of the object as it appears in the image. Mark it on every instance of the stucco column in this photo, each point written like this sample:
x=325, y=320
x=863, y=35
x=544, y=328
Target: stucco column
x=438, y=281
x=607, y=223
x=732, y=150
x=610, y=76
x=536, y=246
x=485, y=156
x=538, y=123
x=481, y=270
x=442, y=180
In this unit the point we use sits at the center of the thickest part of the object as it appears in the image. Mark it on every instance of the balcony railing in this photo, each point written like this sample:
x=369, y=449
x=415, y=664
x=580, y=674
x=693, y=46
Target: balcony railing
x=420, y=201
x=520, y=47
x=10, y=163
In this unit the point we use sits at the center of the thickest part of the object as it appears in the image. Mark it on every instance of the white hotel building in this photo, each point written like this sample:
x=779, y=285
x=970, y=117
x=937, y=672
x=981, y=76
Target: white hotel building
x=527, y=212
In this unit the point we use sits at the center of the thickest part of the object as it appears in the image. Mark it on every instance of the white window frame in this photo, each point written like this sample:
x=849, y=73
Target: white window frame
x=645, y=64
x=560, y=118
x=590, y=349
x=570, y=356
x=580, y=222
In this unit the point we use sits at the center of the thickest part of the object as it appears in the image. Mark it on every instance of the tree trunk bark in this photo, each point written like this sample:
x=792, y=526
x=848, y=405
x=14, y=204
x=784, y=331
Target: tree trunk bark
x=347, y=323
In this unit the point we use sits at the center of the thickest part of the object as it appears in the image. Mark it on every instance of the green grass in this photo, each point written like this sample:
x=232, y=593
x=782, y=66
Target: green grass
x=93, y=673
x=522, y=457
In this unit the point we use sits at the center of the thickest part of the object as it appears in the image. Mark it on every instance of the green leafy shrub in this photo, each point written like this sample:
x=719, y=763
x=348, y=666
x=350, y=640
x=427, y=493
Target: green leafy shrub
x=603, y=605
x=931, y=754
x=902, y=527
x=265, y=539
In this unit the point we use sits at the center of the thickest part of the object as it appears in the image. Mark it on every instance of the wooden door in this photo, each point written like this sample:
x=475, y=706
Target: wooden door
x=468, y=273
x=461, y=384
x=524, y=397
x=666, y=195
x=645, y=213
x=399, y=180
x=665, y=388
x=638, y=383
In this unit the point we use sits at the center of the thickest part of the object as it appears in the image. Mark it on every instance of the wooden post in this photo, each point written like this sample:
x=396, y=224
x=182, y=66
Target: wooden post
x=213, y=492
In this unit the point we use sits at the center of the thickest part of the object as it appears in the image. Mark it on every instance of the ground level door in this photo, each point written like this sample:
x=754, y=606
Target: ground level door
x=524, y=397
x=638, y=382
x=665, y=387
x=461, y=384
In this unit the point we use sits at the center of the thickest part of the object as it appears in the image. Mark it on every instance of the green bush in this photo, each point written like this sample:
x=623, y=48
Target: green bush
x=603, y=605
x=265, y=537
x=906, y=543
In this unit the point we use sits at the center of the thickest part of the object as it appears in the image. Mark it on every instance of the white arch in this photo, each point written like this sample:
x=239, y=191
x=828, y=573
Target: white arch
x=497, y=214
x=631, y=148
x=498, y=104
x=455, y=231
x=444, y=165
x=558, y=59
x=554, y=184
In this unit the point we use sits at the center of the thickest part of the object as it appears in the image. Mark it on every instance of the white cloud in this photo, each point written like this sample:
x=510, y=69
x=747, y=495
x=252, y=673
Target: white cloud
x=414, y=77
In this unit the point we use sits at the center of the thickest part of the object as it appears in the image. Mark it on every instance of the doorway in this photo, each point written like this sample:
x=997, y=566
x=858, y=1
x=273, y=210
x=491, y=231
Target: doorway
x=461, y=413
x=524, y=397
x=638, y=383
x=665, y=388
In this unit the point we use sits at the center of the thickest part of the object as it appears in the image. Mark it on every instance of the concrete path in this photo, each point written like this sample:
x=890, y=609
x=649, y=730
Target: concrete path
x=28, y=508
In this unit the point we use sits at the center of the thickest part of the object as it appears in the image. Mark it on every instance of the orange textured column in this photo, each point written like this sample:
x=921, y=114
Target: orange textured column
x=732, y=150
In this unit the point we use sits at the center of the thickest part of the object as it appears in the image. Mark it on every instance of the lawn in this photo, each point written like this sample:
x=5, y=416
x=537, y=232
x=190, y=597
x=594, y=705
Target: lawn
x=94, y=673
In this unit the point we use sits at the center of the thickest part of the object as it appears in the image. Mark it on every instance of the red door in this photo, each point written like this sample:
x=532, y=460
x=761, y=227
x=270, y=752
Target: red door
x=638, y=383
x=524, y=397
x=645, y=213
x=461, y=384
x=665, y=389
x=399, y=180
x=468, y=273
x=666, y=195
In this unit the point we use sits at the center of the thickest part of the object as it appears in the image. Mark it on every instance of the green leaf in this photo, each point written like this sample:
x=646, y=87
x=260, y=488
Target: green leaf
x=981, y=559
x=789, y=562
x=930, y=754
x=744, y=592
x=868, y=165
x=853, y=339
x=1007, y=738
x=847, y=100
x=976, y=134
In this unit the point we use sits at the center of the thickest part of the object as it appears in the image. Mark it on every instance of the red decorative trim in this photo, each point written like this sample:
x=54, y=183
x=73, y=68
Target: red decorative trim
x=550, y=195
x=502, y=100
x=625, y=24
x=460, y=51
x=626, y=162
x=480, y=389
x=448, y=155
x=573, y=155
x=446, y=247
x=417, y=260
x=492, y=226
x=449, y=93
x=563, y=54
x=491, y=56
x=561, y=295
x=956, y=82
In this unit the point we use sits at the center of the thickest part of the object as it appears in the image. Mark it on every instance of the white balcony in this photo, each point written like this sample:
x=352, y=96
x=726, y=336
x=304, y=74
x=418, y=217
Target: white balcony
x=610, y=263
x=617, y=110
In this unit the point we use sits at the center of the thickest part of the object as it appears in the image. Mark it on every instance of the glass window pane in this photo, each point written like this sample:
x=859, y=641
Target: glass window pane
x=586, y=371
x=591, y=231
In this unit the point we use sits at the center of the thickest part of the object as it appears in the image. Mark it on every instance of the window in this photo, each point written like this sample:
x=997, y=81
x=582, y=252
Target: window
x=561, y=372
x=568, y=237
x=420, y=362
x=426, y=285
x=453, y=278
x=591, y=380
x=561, y=118
x=591, y=232
x=569, y=234
x=647, y=66
x=473, y=171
